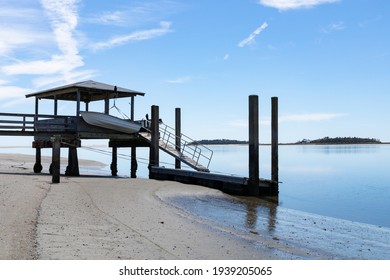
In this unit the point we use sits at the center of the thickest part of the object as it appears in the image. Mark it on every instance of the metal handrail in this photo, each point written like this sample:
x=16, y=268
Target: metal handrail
x=189, y=148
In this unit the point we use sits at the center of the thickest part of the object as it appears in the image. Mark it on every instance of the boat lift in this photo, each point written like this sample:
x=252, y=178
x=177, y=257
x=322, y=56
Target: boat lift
x=93, y=125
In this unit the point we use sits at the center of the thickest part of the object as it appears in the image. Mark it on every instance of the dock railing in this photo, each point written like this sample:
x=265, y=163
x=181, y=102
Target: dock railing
x=189, y=148
x=24, y=124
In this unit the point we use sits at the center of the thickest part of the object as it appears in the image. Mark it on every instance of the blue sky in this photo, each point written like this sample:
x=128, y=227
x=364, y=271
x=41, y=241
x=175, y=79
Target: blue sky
x=328, y=61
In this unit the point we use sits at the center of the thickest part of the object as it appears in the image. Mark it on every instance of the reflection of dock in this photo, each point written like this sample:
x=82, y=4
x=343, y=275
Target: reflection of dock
x=67, y=131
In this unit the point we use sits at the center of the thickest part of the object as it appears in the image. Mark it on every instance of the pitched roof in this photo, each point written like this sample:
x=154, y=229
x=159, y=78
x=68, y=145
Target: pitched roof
x=89, y=91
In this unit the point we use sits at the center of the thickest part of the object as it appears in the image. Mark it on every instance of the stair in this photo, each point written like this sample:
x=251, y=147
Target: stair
x=194, y=155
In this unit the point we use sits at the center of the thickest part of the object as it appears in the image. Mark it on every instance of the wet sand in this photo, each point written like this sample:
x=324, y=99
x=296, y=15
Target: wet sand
x=119, y=218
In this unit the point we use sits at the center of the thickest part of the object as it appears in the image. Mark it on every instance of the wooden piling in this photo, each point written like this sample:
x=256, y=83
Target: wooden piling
x=274, y=144
x=178, y=135
x=114, y=162
x=73, y=163
x=253, y=181
x=38, y=161
x=134, y=164
x=56, y=157
x=155, y=135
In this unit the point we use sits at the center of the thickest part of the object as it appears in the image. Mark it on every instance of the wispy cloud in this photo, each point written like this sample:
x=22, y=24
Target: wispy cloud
x=252, y=36
x=294, y=4
x=63, y=17
x=165, y=27
x=21, y=27
x=9, y=91
x=334, y=26
x=136, y=13
x=226, y=56
x=368, y=22
x=180, y=80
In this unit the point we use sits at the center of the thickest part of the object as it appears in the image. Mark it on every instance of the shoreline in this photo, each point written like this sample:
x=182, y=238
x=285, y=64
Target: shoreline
x=91, y=217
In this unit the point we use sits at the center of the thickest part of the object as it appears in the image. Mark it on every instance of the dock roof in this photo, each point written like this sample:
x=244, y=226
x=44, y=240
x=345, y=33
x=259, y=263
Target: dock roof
x=89, y=91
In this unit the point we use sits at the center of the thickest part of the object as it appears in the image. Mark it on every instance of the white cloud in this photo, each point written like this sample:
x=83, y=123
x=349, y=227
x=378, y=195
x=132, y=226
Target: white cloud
x=61, y=66
x=165, y=27
x=226, y=56
x=13, y=37
x=252, y=36
x=8, y=91
x=294, y=4
x=136, y=13
x=180, y=80
x=111, y=18
x=334, y=26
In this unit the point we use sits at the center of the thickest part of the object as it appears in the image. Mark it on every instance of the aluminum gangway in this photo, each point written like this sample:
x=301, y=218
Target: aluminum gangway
x=190, y=152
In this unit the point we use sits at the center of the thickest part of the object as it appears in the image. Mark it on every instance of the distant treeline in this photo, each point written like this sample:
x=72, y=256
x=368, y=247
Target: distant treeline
x=341, y=140
x=220, y=142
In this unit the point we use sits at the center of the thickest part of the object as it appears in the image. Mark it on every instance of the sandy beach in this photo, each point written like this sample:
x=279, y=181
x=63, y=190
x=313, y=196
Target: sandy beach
x=91, y=217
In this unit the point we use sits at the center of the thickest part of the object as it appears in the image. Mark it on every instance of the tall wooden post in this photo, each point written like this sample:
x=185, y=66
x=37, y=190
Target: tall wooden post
x=134, y=164
x=178, y=135
x=154, y=147
x=274, y=144
x=56, y=157
x=114, y=163
x=38, y=163
x=254, y=145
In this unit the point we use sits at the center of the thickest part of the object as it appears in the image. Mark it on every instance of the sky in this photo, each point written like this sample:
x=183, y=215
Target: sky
x=328, y=61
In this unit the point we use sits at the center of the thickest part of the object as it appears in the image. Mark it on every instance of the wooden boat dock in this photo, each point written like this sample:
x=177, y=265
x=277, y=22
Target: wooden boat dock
x=67, y=131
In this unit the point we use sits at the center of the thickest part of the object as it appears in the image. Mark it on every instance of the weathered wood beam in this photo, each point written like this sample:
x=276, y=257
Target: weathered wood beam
x=56, y=158
x=178, y=135
x=253, y=144
x=274, y=141
x=154, y=147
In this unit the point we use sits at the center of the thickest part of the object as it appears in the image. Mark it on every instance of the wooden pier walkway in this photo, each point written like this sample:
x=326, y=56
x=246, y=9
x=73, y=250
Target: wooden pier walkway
x=63, y=131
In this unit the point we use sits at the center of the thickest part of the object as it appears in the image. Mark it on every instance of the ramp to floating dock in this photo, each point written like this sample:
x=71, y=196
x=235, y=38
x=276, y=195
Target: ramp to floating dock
x=188, y=154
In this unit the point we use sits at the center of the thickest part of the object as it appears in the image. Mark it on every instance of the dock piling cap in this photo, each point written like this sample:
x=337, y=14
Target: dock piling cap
x=89, y=91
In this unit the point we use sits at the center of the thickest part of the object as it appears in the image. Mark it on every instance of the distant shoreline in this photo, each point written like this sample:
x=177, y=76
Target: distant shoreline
x=322, y=141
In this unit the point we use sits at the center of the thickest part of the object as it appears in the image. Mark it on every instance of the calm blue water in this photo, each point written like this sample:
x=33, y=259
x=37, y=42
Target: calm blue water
x=347, y=182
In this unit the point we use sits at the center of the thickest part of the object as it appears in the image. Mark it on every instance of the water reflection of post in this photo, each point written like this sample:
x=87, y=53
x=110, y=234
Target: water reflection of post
x=253, y=208
x=272, y=211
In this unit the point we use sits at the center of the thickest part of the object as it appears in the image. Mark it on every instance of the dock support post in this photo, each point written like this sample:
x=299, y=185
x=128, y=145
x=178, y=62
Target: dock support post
x=154, y=147
x=107, y=106
x=114, y=163
x=178, y=135
x=253, y=183
x=38, y=161
x=56, y=157
x=274, y=144
x=134, y=164
x=73, y=163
